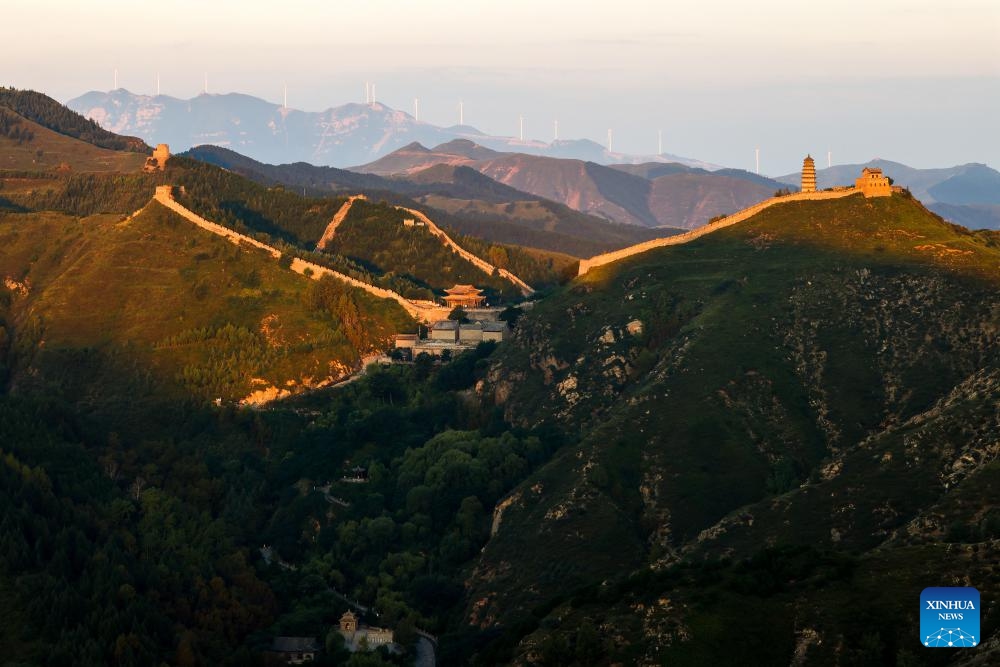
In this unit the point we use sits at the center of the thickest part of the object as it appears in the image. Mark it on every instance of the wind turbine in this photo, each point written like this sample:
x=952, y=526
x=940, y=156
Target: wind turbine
x=609, y=139
x=285, y=104
x=206, y=83
x=520, y=120
x=555, y=134
x=416, y=109
x=756, y=154
x=157, y=83
x=659, y=142
x=116, y=79
x=829, y=159
x=461, y=112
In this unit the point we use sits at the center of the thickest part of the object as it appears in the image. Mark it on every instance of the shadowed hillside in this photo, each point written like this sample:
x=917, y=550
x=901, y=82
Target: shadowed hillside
x=767, y=386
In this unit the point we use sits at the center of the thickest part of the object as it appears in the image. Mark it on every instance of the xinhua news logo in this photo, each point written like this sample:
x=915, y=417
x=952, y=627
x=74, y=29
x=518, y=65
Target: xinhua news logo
x=949, y=617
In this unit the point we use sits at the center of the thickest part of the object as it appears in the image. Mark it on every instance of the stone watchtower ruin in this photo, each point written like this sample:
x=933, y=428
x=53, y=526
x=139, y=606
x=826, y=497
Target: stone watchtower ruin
x=158, y=161
x=808, y=174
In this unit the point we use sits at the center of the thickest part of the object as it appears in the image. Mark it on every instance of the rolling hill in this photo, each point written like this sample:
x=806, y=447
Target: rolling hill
x=647, y=195
x=968, y=194
x=459, y=197
x=762, y=422
x=753, y=448
x=26, y=146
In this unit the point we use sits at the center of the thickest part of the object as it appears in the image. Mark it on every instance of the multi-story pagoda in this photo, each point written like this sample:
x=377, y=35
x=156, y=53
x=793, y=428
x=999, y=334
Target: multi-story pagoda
x=466, y=296
x=808, y=174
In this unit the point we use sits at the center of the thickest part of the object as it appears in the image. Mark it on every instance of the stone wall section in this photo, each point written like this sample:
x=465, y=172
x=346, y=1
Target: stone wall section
x=481, y=264
x=424, y=311
x=339, y=217
x=728, y=221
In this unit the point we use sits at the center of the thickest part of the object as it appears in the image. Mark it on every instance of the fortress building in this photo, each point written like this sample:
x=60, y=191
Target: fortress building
x=872, y=183
x=808, y=174
x=158, y=161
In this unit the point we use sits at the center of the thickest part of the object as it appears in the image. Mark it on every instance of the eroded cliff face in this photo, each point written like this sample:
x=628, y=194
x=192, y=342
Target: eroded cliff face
x=733, y=395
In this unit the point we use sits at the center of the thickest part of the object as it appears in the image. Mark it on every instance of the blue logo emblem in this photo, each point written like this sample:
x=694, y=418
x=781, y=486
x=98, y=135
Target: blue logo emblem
x=949, y=617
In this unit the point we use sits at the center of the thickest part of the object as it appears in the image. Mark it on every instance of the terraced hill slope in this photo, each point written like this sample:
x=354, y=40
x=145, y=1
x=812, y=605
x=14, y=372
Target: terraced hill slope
x=807, y=394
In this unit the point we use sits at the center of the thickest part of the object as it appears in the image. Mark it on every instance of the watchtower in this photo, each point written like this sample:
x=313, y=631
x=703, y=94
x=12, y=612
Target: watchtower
x=158, y=161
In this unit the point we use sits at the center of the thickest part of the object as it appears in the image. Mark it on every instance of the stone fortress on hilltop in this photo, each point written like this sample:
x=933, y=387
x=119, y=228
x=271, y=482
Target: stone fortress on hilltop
x=871, y=182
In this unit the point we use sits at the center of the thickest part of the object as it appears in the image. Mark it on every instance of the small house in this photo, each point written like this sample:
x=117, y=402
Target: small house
x=495, y=331
x=444, y=330
x=470, y=333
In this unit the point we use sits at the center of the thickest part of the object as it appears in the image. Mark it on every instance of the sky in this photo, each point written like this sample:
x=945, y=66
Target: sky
x=907, y=80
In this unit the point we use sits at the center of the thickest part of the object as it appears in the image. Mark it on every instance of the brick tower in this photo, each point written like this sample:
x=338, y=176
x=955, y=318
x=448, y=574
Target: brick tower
x=808, y=174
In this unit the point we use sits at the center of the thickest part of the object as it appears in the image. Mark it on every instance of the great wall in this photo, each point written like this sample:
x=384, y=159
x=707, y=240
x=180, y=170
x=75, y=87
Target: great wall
x=339, y=217
x=608, y=257
x=483, y=265
x=425, y=311
x=478, y=262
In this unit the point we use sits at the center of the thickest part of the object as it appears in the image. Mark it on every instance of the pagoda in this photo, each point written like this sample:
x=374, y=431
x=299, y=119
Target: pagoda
x=808, y=174
x=466, y=296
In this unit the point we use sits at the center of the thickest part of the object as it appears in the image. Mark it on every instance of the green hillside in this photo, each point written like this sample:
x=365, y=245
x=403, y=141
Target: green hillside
x=374, y=235
x=27, y=146
x=189, y=312
x=42, y=109
x=847, y=345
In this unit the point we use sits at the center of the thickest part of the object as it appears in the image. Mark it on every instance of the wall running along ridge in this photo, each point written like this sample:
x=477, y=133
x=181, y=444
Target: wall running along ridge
x=481, y=264
x=740, y=216
x=338, y=218
x=424, y=311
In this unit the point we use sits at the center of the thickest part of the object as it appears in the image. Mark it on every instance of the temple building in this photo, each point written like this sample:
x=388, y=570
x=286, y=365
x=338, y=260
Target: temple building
x=466, y=296
x=808, y=174
x=872, y=183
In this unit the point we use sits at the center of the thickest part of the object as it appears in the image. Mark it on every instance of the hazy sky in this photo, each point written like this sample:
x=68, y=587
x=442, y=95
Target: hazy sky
x=909, y=80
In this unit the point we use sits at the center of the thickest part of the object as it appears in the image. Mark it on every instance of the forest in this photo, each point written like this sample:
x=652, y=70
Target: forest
x=47, y=112
x=133, y=538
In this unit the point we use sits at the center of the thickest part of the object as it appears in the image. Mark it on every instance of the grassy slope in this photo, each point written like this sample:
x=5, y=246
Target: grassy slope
x=767, y=348
x=48, y=150
x=143, y=289
x=374, y=235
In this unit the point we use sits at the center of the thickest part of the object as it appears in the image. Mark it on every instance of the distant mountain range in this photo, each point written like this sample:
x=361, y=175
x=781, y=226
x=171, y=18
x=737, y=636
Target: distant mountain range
x=968, y=194
x=650, y=194
x=457, y=196
x=346, y=135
